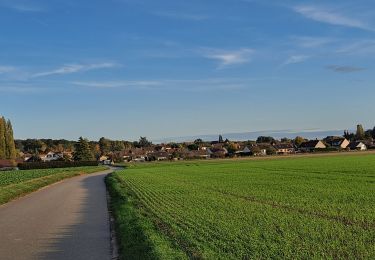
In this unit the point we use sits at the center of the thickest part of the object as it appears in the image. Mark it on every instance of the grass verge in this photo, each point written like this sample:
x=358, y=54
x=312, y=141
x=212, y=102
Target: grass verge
x=137, y=232
x=16, y=184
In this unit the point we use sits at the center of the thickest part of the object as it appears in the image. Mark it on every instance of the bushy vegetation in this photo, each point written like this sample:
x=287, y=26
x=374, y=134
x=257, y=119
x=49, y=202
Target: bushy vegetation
x=7, y=146
x=16, y=183
x=300, y=208
x=55, y=164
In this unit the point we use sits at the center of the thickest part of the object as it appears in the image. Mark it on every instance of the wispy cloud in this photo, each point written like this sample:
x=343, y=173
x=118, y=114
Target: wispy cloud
x=295, y=59
x=74, y=68
x=187, y=85
x=344, y=69
x=117, y=84
x=21, y=89
x=182, y=16
x=361, y=47
x=228, y=58
x=311, y=42
x=7, y=69
x=324, y=15
x=22, y=6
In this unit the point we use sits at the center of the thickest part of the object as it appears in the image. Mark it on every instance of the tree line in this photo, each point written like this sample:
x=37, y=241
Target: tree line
x=360, y=134
x=7, y=146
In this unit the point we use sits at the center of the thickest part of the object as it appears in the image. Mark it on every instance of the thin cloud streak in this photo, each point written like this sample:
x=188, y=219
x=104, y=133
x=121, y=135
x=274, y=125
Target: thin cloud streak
x=295, y=59
x=21, y=89
x=228, y=58
x=326, y=16
x=21, y=6
x=74, y=68
x=7, y=69
x=311, y=42
x=182, y=16
x=117, y=84
x=190, y=85
x=344, y=69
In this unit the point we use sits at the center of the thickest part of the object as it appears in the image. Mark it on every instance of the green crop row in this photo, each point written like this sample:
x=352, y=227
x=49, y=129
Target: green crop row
x=288, y=208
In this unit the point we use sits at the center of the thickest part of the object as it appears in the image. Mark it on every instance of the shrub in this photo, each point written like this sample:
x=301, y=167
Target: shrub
x=326, y=150
x=55, y=164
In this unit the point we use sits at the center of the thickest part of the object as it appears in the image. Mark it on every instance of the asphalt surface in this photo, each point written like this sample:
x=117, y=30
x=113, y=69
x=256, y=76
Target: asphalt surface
x=67, y=220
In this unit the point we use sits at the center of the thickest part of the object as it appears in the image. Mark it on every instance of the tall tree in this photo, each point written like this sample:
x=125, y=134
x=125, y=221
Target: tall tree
x=143, y=142
x=9, y=141
x=265, y=139
x=360, y=134
x=83, y=151
x=117, y=146
x=105, y=145
x=299, y=140
x=2, y=138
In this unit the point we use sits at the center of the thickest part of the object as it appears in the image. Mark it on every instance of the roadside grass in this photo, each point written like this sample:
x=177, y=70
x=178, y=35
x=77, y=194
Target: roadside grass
x=298, y=208
x=14, y=184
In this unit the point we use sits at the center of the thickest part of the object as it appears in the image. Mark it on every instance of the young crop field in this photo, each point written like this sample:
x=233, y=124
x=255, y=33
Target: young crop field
x=16, y=183
x=295, y=208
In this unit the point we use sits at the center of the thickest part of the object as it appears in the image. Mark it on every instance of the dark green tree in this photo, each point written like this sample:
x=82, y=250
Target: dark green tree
x=193, y=147
x=285, y=140
x=271, y=150
x=198, y=141
x=143, y=142
x=349, y=136
x=231, y=148
x=265, y=139
x=368, y=134
x=83, y=151
x=2, y=138
x=360, y=134
x=105, y=145
x=299, y=140
x=117, y=146
x=9, y=141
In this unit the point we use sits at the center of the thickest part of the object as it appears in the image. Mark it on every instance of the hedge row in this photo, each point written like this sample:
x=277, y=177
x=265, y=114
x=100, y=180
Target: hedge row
x=55, y=164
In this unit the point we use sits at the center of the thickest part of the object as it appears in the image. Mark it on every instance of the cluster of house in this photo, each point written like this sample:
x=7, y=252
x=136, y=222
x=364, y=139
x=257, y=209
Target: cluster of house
x=47, y=157
x=214, y=150
x=221, y=150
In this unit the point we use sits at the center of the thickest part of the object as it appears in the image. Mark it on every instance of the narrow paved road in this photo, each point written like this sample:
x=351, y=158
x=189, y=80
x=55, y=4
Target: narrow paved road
x=68, y=220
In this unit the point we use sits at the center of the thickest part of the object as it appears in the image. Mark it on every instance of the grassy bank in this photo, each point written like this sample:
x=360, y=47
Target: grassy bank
x=14, y=184
x=319, y=207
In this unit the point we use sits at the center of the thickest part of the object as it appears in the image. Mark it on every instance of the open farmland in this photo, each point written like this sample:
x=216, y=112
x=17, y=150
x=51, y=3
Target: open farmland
x=321, y=207
x=16, y=183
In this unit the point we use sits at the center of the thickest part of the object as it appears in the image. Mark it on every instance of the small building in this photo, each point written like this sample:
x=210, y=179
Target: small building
x=337, y=142
x=50, y=156
x=200, y=154
x=217, y=152
x=7, y=163
x=103, y=158
x=312, y=145
x=158, y=156
x=284, y=148
x=255, y=150
x=108, y=162
x=358, y=146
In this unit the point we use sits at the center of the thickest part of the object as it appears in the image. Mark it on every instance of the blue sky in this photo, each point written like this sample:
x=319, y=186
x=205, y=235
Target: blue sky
x=130, y=68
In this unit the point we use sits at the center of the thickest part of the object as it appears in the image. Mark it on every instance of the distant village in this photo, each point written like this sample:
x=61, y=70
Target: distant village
x=106, y=151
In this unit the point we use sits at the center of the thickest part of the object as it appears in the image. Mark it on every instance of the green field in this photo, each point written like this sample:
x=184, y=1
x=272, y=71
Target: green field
x=16, y=183
x=295, y=208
